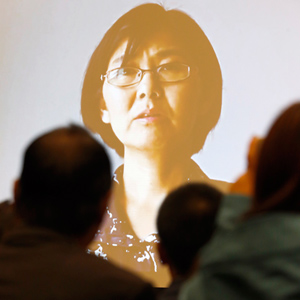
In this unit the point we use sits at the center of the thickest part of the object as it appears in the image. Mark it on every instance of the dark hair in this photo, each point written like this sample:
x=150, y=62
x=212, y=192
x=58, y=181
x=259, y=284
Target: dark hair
x=66, y=173
x=136, y=26
x=186, y=221
x=277, y=185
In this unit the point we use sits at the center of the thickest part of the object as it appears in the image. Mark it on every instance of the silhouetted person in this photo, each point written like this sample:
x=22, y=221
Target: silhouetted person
x=255, y=251
x=60, y=199
x=185, y=222
x=6, y=217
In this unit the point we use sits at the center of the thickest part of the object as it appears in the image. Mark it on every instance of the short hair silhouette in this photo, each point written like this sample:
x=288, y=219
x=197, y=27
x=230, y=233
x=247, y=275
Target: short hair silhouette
x=65, y=175
x=277, y=184
x=137, y=26
x=186, y=221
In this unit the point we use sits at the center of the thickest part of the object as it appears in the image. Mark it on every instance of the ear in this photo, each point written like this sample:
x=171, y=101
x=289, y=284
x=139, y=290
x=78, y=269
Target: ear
x=104, y=113
x=16, y=190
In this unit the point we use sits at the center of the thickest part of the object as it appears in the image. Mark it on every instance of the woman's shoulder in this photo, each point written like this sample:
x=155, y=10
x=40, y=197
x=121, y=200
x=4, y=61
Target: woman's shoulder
x=197, y=175
x=223, y=186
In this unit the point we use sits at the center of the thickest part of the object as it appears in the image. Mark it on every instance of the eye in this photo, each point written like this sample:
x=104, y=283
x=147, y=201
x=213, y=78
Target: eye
x=127, y=71
x=123, y=76
x=173, y=72
x=171, y=67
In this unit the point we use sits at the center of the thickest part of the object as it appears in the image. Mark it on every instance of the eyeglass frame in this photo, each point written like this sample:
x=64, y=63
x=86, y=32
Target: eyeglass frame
x=154, y=70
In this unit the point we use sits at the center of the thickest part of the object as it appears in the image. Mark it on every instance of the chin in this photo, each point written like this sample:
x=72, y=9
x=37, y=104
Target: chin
x=151, y=145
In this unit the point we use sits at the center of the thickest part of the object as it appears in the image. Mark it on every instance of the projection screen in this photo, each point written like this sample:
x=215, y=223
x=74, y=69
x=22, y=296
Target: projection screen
x=46, y=47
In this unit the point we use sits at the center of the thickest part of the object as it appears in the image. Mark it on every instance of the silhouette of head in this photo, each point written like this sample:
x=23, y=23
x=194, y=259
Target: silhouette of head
x=6, y=217
x=65, y=176
x=186, y=221
x=277, y=184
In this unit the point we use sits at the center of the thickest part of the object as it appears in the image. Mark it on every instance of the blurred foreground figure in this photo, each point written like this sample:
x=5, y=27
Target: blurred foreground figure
x=6, y=217
x=255, y=253
x=185, y=222
x=60, y=199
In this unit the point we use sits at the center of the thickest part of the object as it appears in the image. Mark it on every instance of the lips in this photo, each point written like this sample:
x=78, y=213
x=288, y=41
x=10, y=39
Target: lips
x=148, y=115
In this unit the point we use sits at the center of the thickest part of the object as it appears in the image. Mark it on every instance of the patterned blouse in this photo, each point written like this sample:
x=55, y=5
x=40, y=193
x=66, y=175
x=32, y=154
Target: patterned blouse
x=117, y=241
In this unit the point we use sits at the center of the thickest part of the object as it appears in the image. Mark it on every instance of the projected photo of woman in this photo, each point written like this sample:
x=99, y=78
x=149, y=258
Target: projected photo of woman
x=153, y=91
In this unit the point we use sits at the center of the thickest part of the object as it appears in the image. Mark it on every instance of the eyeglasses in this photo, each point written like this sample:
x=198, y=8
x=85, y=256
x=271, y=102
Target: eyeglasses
x=126, y=76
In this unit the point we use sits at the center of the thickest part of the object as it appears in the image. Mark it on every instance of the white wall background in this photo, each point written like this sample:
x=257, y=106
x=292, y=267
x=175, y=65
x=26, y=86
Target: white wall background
x=45, y=46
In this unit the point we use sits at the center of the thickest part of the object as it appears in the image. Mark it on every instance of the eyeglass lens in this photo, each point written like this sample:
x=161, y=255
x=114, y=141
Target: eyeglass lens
x=128, y=75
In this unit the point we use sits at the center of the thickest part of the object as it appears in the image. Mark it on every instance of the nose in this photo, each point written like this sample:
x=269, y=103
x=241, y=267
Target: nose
x=149, y=87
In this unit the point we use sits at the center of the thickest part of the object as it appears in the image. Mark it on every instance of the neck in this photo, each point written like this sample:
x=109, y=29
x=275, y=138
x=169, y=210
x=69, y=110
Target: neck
x=155, y=174
x=148, y=177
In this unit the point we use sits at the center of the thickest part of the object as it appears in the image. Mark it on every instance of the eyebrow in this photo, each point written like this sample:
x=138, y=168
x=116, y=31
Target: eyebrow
x=169, y=52
x=159, y=54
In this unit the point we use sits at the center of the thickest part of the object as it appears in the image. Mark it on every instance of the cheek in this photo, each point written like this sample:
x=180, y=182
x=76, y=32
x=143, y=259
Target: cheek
x=183, y=101
x=117, y=104
x=110, y=96
x=116, y=101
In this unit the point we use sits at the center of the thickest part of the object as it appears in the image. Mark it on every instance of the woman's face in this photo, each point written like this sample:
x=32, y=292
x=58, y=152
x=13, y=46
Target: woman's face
x=151, y=114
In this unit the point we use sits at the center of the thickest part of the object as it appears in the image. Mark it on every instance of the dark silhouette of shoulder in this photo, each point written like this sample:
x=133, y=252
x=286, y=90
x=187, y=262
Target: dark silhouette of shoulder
x=42, y=264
